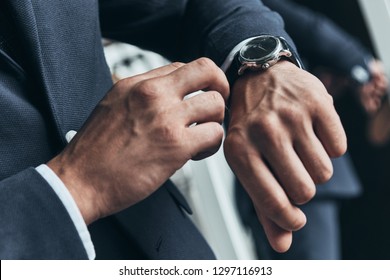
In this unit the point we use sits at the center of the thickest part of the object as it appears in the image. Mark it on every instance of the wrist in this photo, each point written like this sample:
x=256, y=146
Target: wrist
x=84, y=196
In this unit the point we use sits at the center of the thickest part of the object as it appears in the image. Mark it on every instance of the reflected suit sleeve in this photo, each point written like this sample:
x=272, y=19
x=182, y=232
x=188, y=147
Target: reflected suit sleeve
x=320, y=40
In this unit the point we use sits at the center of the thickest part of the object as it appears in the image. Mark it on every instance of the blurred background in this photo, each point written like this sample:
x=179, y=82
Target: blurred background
x=365, y=221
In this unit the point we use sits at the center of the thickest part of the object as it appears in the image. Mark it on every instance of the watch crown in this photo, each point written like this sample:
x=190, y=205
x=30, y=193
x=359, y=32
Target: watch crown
x=265, y=66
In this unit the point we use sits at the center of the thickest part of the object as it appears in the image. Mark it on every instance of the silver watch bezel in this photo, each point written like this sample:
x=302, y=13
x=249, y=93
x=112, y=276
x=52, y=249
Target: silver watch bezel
x=264, y=62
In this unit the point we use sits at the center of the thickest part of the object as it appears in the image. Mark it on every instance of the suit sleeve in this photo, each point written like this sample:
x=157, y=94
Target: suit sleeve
x=187, y=29
x=319, y=40
x=34, y=224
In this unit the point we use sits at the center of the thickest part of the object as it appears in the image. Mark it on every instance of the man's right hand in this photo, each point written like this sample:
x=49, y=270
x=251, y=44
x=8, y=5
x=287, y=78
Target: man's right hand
x=140, y=134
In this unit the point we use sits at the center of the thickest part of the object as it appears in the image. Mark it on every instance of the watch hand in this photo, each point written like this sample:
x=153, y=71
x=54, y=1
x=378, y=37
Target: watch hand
x=261, y=48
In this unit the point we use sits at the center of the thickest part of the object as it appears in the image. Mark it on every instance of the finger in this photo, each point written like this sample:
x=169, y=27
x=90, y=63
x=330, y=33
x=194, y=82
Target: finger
x=160, y=71
x=205, y=107
x=379, y=92
x=371, y=105
x=329, y=130
x=204, y=139
x=279, y=239
x=290, y=172
x=196, y=75
x=378, y=102
x=314, y=157
x=383, y=82
x=264, y=190
x=268, y=195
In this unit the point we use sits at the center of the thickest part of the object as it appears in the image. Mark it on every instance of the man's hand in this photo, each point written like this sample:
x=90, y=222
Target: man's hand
x=282, y=131
x=379, y=125
x=371, y=93
x=140, y=134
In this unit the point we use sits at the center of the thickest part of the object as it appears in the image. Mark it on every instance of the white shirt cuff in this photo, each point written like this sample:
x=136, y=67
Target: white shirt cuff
x=228, y=61
x=70, y=205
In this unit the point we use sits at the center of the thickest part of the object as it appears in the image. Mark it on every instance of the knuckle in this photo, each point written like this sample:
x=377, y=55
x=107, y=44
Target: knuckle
x=339, y=149
x=330, y=98
x=168, y=133
x=217, y=131
x=319, y=94
x=293, y=115
x=177, y=65
x=265, y=130
x=277, y=209
x=213, y=71
x=219, y=103
x=206, y=63
x=323, y=174
x=119, y=83
x=215, y=76
x=217, y=99
x=325, y=106
x=211, y=142
x=129, y=82
x=297, y=223
x=281, y=213
x=215, y=136
x=233, y=146
x=304, y=195
x=122, y=85
x=146, y=90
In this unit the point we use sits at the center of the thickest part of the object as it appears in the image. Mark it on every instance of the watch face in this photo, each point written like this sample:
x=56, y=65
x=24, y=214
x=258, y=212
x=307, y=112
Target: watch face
x=259, y=48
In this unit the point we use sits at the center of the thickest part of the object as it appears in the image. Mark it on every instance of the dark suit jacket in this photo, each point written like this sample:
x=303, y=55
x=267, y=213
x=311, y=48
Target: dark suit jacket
x=60, y=77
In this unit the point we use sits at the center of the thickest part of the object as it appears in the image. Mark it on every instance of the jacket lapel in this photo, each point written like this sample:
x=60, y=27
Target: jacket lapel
x=65, y=57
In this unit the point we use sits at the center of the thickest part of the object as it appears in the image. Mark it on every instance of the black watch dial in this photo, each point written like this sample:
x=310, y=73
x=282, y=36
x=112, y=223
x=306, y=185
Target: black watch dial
x=259, y=48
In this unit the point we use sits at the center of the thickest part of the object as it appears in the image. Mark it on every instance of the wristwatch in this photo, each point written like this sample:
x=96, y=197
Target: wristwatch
x=260, y=53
